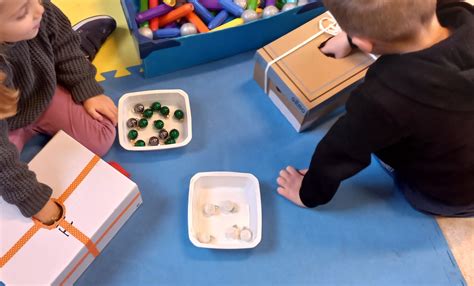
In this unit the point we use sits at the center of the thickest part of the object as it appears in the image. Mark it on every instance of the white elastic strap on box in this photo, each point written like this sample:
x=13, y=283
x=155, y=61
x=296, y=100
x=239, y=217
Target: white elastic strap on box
x=332, y=29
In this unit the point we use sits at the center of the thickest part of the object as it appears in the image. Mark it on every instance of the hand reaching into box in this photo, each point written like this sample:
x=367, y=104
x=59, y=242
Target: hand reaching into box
x=337, y=46
x=50, y=213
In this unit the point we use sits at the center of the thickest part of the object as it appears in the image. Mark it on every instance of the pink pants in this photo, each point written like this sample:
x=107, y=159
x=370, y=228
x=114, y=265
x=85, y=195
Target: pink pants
x=64, y=114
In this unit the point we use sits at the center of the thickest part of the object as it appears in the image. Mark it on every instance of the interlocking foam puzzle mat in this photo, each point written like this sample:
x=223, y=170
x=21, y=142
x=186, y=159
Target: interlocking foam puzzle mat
x=118, y=52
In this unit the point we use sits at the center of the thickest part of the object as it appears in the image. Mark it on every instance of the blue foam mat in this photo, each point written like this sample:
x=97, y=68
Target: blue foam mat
x=368, y=234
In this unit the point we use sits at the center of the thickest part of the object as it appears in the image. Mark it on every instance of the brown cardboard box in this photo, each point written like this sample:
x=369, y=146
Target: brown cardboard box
x=306, y=84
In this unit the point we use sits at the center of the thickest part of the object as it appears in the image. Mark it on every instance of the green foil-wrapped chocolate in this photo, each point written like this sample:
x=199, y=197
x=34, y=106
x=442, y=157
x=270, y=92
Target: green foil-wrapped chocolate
x=174, y=134
x=142, y=123
x=159, y=124
x=155, y=106
x=179, y=114
x=165, y=111
x=132, y=134
x=148, y=113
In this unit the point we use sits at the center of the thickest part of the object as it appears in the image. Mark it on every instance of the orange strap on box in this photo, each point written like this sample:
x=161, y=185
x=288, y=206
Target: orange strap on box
x=87, y=169
x=80, y=236
x=67, y=226
x=100, y=238
x=19, y=244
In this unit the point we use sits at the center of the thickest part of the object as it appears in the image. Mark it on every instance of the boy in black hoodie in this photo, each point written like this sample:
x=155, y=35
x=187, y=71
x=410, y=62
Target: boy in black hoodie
x=415, y=110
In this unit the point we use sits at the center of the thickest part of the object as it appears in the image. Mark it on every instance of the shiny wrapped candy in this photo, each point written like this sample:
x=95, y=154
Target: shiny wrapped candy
x=159, y=124
x=154, y=141
x=132, y=134
x=139, y=108
x=142, y=123
x=165, y=111
x=155, y=106
x=148, y=113
x=132, y=123
x=179, y=114
x=174, y=134
x=170, y=141
x=163, y=135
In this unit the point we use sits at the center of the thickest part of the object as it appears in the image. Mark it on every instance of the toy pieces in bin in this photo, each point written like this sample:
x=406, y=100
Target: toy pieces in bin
x=140, y=124
x=173, y=19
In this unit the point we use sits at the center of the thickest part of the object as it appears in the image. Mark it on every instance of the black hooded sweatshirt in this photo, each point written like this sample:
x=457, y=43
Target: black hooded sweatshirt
x=415, y=111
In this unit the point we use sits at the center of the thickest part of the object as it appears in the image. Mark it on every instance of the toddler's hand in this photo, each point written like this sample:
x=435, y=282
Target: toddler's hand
x=289, y=183
x=337, y=46
x=49, y=214
x=101, y=105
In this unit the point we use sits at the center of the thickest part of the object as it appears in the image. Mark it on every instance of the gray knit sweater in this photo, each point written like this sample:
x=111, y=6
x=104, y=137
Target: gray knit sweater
x=35, y=67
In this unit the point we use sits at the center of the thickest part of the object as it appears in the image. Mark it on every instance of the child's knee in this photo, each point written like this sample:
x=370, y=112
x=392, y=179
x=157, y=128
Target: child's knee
x=104, y=139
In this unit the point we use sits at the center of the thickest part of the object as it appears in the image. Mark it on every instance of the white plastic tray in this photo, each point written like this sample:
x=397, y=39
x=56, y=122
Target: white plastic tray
x=174, y=99
x=215, y=188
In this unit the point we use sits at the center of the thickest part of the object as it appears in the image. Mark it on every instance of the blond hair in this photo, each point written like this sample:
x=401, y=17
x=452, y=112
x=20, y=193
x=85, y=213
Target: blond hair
x=383, y=20
x=8, y=99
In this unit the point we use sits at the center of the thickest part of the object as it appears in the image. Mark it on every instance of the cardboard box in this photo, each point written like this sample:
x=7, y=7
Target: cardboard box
x=168, y=55
x=97, y=200
x=307, y=84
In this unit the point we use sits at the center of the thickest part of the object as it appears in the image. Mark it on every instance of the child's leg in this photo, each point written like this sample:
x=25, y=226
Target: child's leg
x=430, y=206
x=64, y=114
x=20, y=136
x=423, y=203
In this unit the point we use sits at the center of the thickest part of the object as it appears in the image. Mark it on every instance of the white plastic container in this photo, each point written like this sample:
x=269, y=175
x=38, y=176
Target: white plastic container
x=215, y=188
x=174, y=99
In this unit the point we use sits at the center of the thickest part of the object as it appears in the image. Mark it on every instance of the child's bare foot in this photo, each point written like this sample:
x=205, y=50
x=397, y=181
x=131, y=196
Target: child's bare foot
x=289, y=183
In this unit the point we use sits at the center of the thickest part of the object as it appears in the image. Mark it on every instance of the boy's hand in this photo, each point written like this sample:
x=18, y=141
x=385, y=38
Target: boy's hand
x=49, y=214
x=101, y=105
x=289, y=183
x=337, y=46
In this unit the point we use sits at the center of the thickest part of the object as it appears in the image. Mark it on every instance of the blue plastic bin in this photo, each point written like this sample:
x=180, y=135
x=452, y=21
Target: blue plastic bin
x=168, y=55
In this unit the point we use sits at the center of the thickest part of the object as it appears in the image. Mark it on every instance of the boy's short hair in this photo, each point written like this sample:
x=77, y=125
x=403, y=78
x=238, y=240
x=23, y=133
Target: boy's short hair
x=384, y=20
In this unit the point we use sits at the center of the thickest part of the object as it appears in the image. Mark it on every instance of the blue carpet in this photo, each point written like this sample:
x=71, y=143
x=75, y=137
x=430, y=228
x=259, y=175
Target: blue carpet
x=368, y=234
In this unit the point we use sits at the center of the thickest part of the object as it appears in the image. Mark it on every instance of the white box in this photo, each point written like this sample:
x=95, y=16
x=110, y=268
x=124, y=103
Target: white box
x=98, y=207
x=215, y=188
x=174, y=99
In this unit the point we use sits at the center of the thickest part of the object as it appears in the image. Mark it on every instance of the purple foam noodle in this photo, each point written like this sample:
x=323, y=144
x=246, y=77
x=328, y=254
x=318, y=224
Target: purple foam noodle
x=153, y=13
x=270, y=3
x=171, y=25
x=211, y=4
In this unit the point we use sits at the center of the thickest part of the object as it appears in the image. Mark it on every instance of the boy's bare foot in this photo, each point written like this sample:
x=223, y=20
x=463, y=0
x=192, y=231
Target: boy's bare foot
x=289, y=183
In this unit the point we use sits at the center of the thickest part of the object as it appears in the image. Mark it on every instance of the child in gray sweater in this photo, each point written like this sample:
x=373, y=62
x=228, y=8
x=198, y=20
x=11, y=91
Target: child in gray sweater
x=46, y=85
